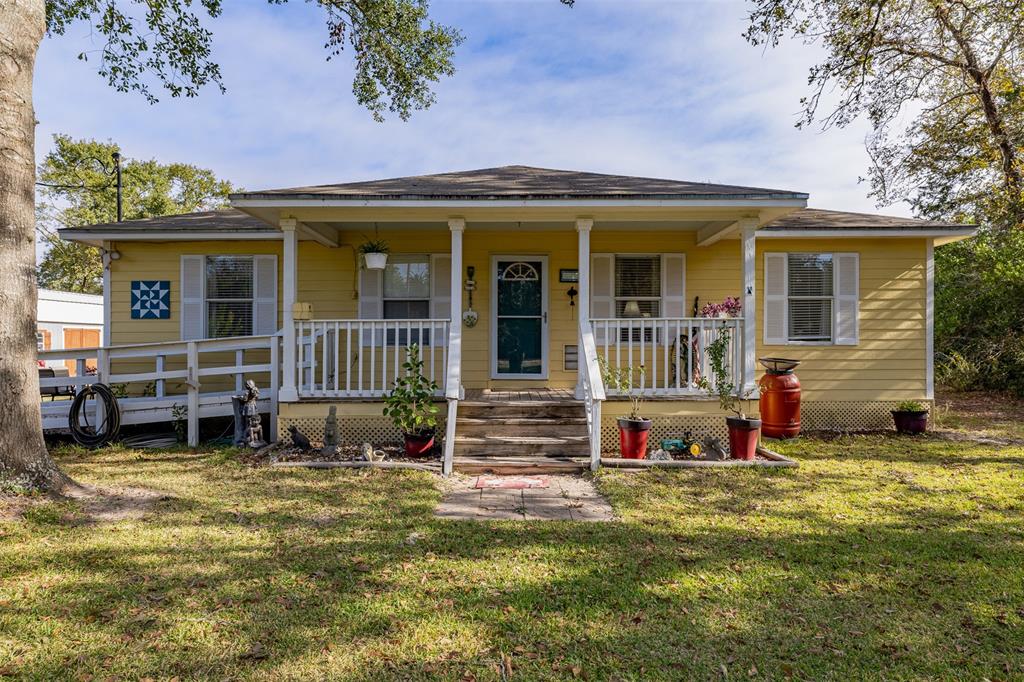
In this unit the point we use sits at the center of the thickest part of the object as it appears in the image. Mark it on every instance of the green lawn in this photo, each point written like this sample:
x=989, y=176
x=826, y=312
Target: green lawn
x=878, y=558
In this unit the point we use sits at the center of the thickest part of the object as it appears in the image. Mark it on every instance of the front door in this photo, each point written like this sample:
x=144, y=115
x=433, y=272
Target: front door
x=519, y=317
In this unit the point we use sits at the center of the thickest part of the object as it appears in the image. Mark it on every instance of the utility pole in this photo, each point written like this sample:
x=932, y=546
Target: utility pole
x=117, y=169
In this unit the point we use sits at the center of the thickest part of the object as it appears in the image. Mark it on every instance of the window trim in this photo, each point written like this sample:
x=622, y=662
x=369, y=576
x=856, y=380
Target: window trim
x=207, y=300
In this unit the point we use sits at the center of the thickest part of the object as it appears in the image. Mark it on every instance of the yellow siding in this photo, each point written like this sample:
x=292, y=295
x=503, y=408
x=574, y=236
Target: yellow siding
x=888, y=363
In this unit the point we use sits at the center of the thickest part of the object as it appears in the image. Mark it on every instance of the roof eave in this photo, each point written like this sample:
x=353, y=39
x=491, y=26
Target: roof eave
x=941, y=235
x=498, y=201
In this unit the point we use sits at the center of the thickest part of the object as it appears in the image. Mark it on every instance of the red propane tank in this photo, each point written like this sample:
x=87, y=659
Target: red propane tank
x=780, y=399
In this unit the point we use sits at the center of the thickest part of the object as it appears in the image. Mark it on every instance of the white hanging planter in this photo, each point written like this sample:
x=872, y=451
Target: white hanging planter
x=375, y=261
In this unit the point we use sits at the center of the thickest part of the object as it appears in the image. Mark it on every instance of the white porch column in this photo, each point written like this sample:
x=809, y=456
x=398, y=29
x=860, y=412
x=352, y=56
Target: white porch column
x=748, y=227
x=457, y=227
x=288, y=392
x=583, y=227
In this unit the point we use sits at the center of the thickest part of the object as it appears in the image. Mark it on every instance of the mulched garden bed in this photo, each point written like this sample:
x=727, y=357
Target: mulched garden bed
x=281, y=454
x=763, y=458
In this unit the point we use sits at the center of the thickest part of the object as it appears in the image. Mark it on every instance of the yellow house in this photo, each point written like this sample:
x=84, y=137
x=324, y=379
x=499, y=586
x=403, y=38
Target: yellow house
x=517, y=282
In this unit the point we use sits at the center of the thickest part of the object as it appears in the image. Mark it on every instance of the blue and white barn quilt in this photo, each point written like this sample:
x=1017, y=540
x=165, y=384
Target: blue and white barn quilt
x=151, y=299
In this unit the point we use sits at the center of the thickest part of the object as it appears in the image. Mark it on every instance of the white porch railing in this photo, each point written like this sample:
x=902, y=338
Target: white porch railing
x=362, y=358
x=672, y=351
x=593, y=392
x=169, y=378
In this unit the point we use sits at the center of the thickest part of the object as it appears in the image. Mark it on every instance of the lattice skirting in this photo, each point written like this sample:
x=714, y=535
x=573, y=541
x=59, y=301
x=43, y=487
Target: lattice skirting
x=352, y=430
x=862, y=415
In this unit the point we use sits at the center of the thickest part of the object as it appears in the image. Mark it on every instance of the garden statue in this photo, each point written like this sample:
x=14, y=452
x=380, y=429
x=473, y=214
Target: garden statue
x=713, y=449
x=331, y=431
x=299, y=439
x=248, y=426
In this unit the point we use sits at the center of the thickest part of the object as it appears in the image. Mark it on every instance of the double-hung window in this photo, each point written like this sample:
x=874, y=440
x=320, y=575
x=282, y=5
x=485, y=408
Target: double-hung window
x=811, y=298
x=406, y=295
x=637, y=291
x=810, y=291
x=229, y=296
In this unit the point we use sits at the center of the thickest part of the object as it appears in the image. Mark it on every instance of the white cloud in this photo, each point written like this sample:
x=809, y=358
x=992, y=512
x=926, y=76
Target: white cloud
x=665, y=89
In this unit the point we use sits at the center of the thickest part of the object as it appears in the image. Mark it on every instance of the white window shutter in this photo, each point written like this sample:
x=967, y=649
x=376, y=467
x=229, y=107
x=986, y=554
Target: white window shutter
x=441, y=292
x=775, y=292
x=846, y=271
x=440, y=286
x=602, y=291
x=371, y=299
x=193, y=285
x=673, y=285
x=264, y=314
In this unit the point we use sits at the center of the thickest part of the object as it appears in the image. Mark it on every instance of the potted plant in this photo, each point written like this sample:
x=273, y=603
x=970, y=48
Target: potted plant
x=633, y=428
x=910, y=417
x=744, y=432
x=375, y=253
x=410, y=405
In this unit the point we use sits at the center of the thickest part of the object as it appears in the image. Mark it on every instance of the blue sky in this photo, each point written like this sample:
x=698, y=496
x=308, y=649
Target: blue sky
x=665, y=89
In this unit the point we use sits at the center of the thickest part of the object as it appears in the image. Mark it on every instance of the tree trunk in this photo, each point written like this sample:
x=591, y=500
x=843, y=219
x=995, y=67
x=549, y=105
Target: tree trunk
x=24, y=461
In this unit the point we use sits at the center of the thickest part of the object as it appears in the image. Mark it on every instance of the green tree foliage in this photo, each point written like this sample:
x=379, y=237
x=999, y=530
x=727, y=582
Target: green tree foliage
x=398, y=50
x=979, y=303
x=77, y=187
x=942, y=83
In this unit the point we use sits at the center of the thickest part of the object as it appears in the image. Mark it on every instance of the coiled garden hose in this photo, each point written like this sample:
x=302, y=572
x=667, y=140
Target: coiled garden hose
x=109, y=426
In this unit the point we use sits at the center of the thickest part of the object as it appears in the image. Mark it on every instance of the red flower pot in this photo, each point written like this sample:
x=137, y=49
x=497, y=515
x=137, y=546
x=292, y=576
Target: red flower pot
x=743, y=435
x=633, y=437
x=418, y=445
x=910, y=422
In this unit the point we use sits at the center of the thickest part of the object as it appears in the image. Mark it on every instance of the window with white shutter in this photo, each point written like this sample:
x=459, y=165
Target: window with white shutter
x=811, y=298
x=645, y=286
x=228, y=296
x=411, y=287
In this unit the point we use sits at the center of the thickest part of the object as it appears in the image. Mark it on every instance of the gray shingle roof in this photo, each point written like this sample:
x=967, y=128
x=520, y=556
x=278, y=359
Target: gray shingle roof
x=822, y=219
x=226, y=219
x=523, y=182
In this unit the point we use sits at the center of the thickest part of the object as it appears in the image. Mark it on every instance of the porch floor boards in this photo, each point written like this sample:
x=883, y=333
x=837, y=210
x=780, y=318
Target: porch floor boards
x=521, y=395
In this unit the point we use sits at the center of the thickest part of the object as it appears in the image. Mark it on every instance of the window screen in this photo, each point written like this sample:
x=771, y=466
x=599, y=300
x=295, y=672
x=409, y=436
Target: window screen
x=407, y=294
x=810, y=296
x=229, y=296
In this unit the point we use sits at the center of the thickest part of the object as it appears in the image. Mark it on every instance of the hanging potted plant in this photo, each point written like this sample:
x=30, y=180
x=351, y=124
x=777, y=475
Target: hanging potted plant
x=375, y=253
x=410, y=405
x=744, y=432
x=911, y=417
x=633, y=428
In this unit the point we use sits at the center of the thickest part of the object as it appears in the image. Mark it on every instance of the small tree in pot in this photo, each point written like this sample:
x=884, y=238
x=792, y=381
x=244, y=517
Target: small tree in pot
x=744, y=432
x=633, y=428
x=411, y=405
